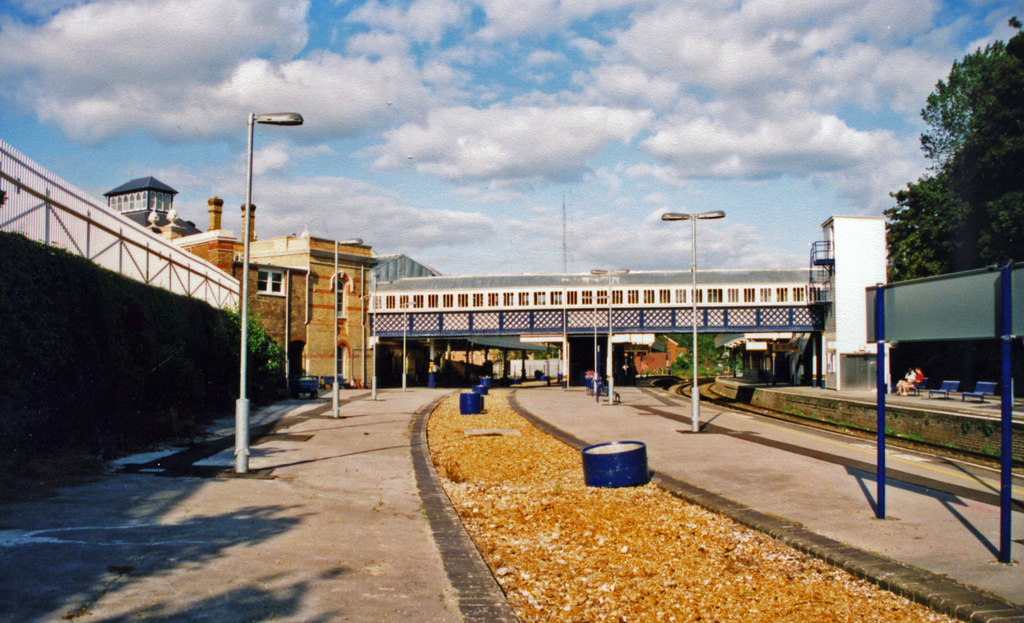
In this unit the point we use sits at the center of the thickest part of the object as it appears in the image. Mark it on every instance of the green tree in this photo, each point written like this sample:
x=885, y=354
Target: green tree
x=265, y=365
x=711, y=360
x=969, y=212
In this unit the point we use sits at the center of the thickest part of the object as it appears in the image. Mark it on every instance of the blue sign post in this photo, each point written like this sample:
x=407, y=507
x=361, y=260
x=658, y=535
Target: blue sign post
x=882, y=390
x=1006, y=439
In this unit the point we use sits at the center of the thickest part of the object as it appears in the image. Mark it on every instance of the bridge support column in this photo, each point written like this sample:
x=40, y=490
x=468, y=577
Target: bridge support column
x=565, y=362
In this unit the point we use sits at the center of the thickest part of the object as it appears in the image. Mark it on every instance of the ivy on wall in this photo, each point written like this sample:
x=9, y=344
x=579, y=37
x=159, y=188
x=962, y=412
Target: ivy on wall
x=91, y=360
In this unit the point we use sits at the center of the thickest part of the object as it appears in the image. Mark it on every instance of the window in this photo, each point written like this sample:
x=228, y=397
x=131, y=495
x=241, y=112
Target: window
x=572, y=297
x=432, y=301
x=509, y=299
x=714, y=295
x=403, y=301
x=270, y=281
x=781, y=295
x=478, y=299
x=588, y=297
x=602, y=298
x=463, y=300
x=616, y=297
x=524, y=299
x=448, y=300
x=798, y=295
x=390, y=302
x=766, y=295
x=556, y=298
x=492, y=299
x=664, y=296
x=633, y=297
x=680, y=296
x=698, y=296
x=540, y=298
x=648, y=297
x=749, y=295
x=417, y=301
x=734, y=295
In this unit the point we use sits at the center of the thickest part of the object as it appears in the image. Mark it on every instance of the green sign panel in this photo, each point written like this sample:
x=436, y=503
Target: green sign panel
x=958, y=306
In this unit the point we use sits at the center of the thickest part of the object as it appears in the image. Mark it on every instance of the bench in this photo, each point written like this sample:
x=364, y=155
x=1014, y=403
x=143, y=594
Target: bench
x=919, y=386
x=945, y=388
x=982, y=389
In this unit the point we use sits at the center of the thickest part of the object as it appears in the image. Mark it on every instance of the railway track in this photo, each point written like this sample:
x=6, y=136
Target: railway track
x=708, y=394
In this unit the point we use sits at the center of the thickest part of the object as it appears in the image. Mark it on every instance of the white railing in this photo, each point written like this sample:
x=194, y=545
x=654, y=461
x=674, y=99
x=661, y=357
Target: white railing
x=43, y=207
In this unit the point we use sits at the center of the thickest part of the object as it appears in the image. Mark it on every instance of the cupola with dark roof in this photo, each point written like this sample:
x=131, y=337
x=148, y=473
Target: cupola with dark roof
x=150, y=203
x=144, y=194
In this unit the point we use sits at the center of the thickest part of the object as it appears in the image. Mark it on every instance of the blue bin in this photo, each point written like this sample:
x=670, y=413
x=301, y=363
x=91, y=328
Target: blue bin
x=485, y=381
x=480, y=389
x=615, y=464
x=470, y=403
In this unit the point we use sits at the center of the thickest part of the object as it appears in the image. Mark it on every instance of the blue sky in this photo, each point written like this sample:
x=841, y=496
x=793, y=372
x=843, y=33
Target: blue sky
x=454, y=130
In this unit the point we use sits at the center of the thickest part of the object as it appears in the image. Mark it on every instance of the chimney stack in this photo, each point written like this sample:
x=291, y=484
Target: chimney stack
x=216, y=208
x=252, y=222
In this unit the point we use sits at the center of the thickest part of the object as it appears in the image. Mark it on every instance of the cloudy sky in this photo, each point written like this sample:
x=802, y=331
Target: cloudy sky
x=456, y=130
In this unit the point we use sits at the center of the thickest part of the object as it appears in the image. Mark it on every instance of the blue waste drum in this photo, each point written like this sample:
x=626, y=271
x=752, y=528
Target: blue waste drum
x=470, y=403
x=615, y=464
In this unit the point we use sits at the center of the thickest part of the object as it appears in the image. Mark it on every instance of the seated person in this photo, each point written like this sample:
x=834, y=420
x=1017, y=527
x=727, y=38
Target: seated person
x=914, y=376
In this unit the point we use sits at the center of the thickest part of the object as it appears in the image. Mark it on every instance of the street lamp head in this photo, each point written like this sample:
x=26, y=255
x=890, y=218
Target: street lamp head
x=351, y=241
x=601, y=271
x=679, y=216
x=711, y=215
x=279, y=118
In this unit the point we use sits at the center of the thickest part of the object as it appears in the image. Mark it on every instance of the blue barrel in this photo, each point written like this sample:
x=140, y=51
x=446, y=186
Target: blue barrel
x=615, y=464
x=480, y=389
x=470, y=403
x=485, y=381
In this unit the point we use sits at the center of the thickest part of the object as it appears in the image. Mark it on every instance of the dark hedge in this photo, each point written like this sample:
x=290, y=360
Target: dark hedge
x=92, y=361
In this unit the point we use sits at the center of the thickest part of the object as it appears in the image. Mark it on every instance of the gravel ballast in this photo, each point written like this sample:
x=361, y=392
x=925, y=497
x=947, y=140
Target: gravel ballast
x=563, y=551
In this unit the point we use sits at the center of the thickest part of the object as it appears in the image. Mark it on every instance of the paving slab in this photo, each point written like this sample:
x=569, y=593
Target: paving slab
x=338, y=522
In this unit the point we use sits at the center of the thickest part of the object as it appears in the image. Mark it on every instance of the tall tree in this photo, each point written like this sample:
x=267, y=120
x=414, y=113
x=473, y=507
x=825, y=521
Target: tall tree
x=969, y=211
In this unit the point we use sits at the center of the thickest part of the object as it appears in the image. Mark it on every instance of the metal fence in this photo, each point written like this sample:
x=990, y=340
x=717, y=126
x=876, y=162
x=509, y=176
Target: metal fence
x=43, y=207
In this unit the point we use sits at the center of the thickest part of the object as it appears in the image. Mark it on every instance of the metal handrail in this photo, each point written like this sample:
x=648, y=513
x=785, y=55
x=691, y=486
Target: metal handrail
x=42, y=206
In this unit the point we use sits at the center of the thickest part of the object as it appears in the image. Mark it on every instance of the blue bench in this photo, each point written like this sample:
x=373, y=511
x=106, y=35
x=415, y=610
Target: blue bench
x=918, y=387
x=945, y=388
x=982, y=389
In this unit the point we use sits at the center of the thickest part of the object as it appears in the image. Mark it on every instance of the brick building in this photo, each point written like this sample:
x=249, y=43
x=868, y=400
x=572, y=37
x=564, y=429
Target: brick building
x=291, y=288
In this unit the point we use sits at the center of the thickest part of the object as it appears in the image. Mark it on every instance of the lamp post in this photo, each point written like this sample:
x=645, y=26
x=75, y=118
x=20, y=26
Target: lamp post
x=336, y=386
x=242, y=404
x=610, y=370
x=693, y=218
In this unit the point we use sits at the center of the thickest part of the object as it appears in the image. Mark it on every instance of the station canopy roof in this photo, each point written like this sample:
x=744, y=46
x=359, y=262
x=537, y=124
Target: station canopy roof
x=738, y=277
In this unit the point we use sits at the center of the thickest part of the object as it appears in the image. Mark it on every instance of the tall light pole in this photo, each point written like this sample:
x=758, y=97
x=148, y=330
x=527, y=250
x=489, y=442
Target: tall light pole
x=611, y=371
x=336, y=386
x=693, y=218
x=242, y=404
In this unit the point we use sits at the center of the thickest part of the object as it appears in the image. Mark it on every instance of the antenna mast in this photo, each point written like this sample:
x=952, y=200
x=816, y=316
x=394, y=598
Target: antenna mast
x=565, y=267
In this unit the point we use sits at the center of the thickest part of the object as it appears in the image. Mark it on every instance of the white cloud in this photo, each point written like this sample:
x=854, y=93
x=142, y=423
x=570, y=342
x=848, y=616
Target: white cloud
x=466, y=144
x=422, y=20
x=629, y=86
x=99, y=45
x=801, y=144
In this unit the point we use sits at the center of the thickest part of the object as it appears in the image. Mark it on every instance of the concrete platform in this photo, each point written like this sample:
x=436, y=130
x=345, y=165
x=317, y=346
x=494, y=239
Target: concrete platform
x=339, y=520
